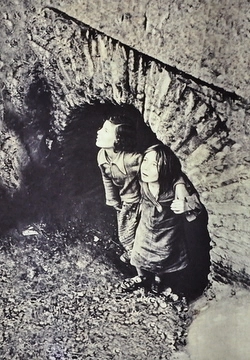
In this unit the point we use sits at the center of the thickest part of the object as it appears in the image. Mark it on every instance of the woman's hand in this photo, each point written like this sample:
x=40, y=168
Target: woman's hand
x=117, y=208
x=179, y=206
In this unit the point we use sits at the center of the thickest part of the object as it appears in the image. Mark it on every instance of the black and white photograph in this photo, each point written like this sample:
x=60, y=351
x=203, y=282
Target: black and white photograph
x=125, y=180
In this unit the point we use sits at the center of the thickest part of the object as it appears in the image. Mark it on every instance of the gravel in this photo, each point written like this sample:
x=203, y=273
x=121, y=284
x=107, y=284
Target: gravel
x=60, y=299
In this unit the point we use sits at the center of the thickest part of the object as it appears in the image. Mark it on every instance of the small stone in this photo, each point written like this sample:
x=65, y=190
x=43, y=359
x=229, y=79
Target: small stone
x=163, y=304
x=174, y=297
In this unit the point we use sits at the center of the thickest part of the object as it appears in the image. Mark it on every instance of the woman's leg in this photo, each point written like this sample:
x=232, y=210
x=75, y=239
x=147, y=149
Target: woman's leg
x=156, y=286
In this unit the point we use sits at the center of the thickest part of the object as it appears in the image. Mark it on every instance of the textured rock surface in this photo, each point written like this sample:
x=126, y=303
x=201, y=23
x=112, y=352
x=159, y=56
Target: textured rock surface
x=51, y=67
x=208, y=40
x=66, y=65
x=221, y=329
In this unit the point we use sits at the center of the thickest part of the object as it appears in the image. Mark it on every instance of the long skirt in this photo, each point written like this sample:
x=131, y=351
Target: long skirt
x=127, y=220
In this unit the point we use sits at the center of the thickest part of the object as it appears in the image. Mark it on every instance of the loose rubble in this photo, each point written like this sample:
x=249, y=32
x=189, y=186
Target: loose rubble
x=61, y=299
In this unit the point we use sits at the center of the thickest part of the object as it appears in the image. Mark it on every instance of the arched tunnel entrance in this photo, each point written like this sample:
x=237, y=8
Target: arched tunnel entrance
x=78, y=147
x=66, y=185
x=71, y=271
x=67, y=190
x=82, y=185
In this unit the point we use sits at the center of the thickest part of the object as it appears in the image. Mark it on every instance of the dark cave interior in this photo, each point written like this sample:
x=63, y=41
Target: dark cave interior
x=61, y=183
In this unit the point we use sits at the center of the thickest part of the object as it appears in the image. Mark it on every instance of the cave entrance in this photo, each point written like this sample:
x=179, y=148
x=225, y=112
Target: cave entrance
x=81, y=188
x=65, y=184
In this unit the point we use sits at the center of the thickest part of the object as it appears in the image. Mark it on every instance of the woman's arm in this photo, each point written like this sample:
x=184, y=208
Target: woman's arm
x=185, y=203
x=111, y=191
x=179, y=205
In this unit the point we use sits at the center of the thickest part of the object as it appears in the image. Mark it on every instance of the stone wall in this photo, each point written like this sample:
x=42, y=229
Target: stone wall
x=206, y=39
x=65, y=64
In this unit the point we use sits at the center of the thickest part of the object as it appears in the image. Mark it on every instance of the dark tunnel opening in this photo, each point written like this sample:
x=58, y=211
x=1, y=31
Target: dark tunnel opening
x=64, y=184
x=78, y=148
x=81, y=182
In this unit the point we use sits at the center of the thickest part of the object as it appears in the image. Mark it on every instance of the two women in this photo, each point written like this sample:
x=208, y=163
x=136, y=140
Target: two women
x=159, y=244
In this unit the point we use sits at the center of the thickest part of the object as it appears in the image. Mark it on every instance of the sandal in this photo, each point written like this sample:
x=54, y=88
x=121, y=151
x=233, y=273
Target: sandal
x=133, y=283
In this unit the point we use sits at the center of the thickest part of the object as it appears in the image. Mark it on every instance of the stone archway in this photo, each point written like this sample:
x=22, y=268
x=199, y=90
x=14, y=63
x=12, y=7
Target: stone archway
x=75, y=154
x=207, y=126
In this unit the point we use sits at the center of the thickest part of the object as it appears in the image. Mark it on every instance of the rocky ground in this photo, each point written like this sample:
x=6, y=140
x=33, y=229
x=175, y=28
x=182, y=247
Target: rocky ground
x=60, y=299
x=60, y=296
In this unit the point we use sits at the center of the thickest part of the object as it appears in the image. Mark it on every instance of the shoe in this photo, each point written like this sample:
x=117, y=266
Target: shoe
x=133, y=283
x=125, y=258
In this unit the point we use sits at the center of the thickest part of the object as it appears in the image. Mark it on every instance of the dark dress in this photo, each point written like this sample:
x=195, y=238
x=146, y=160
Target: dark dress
x=160, y=244
x=177, y=246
